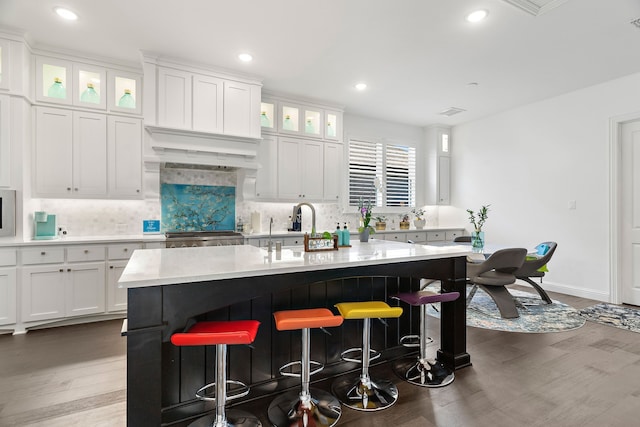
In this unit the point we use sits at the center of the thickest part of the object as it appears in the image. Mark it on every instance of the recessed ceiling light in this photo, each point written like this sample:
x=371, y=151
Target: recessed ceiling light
x=245, y=57
x=477, y=15
x=65, y=13
x=361, y=86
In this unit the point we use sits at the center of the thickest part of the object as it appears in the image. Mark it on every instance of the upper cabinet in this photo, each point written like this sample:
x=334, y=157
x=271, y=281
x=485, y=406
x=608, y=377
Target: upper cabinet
x=4, y=64
x=287, y=117
x=66, y=82
x=194, y=99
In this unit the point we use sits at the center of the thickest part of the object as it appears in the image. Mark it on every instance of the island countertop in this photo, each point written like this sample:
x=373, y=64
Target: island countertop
x=154, y=267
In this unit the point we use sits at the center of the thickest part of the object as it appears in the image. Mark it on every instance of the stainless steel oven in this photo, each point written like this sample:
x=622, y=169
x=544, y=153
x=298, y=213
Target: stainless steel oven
x=7, y=213
x=186, y=239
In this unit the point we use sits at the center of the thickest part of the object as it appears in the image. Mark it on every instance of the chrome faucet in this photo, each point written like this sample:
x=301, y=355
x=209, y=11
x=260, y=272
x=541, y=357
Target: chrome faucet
x=313, y=215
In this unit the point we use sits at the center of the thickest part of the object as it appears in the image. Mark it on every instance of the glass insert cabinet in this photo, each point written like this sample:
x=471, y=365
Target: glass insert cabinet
x=298, y=119
x=82, y=85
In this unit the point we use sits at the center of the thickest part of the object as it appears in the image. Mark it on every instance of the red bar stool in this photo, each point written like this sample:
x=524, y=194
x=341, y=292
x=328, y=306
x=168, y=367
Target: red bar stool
x=364, y=393
x=221, y=334
x=309, y=407
x=423, y=372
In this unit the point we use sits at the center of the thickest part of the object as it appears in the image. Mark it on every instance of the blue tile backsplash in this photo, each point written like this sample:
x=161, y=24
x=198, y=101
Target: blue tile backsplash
x=197, y=207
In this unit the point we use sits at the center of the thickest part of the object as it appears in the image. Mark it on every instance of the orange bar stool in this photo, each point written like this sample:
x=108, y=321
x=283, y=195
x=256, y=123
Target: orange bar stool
x=364, y=393
x=309, y=407
x=424, y=372
x=221, y=334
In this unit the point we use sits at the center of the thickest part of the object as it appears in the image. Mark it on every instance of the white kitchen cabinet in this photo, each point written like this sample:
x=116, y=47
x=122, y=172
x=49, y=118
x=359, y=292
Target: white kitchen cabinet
x=43, y=292
x=333, y=125
x=396, y=237
x=122, y=251
x=124, y=92
x=174, y=98
x=242, y=109
x=116, y=297
x=54, y=80
x=332, y=171
x=7, y=296
x=124, y=157
x=307, y=120
x=267, y=175
x=451, y=235
x=5, y=141
x=89, y=154
x=70, y=153
x=268, y=115
x=89, y=86
x=5, y=68
x=208, y=94
x=417, y=236
x=444, y=180
x=300, y=169
x=84, y=289
x=436, y=236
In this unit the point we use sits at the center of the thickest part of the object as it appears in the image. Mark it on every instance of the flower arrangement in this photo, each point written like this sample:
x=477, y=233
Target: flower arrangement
x=381, y=218
x=404, y=217
x=365, y=213
x=481, y=217
x=418, y=212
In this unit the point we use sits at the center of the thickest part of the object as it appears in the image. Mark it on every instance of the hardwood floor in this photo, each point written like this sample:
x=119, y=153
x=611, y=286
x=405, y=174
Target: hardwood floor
x=76, y=376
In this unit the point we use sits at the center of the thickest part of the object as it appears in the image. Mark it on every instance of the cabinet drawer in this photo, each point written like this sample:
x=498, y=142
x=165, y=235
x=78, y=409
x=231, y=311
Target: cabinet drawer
x=85, y=253
x=7, y=257
x=435, y=236
x=122, y=251
x=42, y=255
x=450, y=235
x=288, y=241
x=398, y=237
x=417, y=236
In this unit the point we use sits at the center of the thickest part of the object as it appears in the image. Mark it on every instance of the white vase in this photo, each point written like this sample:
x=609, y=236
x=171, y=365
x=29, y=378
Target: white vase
x=419, y=223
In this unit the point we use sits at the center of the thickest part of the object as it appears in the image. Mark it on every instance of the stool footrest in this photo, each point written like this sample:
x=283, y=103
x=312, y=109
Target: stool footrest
x=242, y=391
x=412, y=341
x=347, y=355
x=319, y=367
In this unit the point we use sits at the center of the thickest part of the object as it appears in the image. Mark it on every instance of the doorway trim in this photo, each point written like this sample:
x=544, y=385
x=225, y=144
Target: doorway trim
x=615, y=203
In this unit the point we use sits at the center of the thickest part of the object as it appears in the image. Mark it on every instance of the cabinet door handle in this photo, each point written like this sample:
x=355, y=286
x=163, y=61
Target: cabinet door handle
x=61, y=270
x=126, y=249
x=111, y=266
x=138, y=190
x=68, y=188
x=43, y=253
x=75, y=189
x=68, y=269
x=86, y=251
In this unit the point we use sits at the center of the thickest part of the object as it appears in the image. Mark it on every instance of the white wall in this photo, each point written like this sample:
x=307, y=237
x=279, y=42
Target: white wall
x=529, y=162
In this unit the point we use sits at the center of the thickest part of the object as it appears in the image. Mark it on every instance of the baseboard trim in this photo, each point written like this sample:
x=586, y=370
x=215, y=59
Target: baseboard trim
x=576, y=292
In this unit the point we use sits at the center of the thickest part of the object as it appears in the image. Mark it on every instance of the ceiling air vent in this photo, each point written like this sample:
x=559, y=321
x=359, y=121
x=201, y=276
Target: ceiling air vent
x=451, y=111
x=636, y=22
x=536, y=7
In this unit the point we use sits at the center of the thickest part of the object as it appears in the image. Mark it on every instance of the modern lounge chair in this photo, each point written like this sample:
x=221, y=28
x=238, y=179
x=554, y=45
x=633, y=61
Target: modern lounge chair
x=535, y=268
x=494, y=274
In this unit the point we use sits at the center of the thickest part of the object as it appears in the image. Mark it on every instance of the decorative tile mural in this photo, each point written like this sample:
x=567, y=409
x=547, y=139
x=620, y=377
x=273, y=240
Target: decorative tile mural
x=197, y=207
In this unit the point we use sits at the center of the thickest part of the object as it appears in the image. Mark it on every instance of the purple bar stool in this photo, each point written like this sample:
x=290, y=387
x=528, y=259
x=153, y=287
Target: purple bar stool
x=423, y=372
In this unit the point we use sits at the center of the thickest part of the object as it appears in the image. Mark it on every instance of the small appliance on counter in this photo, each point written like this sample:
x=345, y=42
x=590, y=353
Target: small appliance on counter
x=44, y=226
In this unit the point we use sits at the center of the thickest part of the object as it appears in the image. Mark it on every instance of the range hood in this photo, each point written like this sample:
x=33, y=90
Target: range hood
x=178, y=148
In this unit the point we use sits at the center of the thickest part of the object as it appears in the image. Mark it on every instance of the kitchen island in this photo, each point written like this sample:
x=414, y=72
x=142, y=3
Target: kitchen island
x=170, y=288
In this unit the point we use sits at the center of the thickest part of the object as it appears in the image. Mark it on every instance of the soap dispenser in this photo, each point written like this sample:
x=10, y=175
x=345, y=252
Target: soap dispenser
x=346, y=237
x=339, y=234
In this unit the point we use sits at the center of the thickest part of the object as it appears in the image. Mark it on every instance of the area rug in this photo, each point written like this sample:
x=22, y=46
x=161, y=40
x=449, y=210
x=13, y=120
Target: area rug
x=536, y=316
x=613, y=315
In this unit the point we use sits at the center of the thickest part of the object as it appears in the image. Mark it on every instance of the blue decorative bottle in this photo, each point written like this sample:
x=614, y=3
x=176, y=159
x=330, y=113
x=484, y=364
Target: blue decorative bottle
x=90, y=95
x=340, y=235
x=57, y=90
x=126, y=100
x=346, y=237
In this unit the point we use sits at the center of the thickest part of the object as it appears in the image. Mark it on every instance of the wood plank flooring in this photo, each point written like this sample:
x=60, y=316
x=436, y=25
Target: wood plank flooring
x=76, y=376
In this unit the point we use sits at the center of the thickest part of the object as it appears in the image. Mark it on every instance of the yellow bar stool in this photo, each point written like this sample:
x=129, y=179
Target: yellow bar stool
x=365, y=393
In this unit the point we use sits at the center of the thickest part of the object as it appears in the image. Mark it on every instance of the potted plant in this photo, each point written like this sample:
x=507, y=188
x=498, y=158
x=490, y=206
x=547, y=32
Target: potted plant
x=404, y=222
x=477, y=221
x=419, y=222
x=381, y=223
x=365, y=218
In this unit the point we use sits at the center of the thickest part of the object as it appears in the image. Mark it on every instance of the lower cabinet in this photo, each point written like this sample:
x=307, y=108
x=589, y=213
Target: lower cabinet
x=7, y=296
x=116, y=297
x=64, y=290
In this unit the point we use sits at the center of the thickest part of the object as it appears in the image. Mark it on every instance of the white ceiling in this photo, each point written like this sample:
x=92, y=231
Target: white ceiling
x=417, y=56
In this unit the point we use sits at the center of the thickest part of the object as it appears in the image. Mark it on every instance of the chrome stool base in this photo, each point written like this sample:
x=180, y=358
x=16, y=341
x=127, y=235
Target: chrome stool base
x=234, y=418
x=288, y=410
x=355, y=394
x=425, y=373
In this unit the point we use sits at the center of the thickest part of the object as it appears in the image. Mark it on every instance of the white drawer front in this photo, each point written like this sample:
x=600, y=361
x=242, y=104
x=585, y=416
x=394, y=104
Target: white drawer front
x=417, y=236
x=7, y=257
x=450, y=235
x=435, y=236
x=122, y=251
x=85, y=253
x=397, y=237
x=42, y=255
x=286, y=241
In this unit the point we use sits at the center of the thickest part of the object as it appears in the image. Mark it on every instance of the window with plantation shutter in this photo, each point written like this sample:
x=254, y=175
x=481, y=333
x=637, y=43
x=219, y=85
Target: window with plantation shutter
x=383, y=173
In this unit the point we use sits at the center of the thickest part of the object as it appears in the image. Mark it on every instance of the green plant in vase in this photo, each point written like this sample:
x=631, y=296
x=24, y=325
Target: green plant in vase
x=365, y=210
x=477, y=221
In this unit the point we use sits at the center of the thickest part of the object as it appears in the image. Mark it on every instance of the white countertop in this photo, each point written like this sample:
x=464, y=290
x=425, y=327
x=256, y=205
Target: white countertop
x=153, y=267
x=69, y=240
x=281, y=233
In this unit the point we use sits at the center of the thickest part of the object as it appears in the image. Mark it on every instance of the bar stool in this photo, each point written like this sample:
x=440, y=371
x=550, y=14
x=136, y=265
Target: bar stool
x=364, y=393
x=221, y=334
x=309, y=407
x=423, y=372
